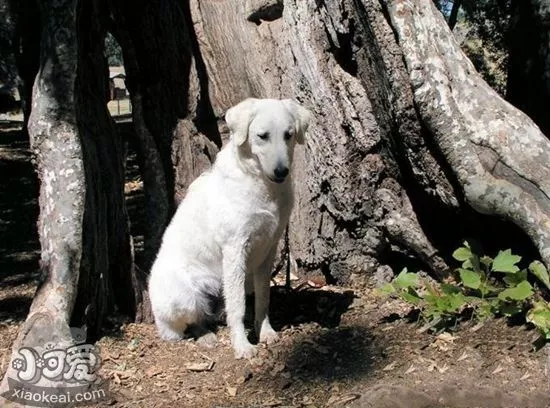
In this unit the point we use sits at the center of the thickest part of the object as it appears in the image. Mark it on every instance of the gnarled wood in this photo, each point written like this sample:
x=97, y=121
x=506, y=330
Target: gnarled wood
x=499, y=156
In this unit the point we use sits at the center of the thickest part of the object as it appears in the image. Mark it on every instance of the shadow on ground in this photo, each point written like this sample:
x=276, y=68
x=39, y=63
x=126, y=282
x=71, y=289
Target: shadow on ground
x=333, y=354
x=19, y=248
x=331, y=351
x=304, y=306
x=14, y=308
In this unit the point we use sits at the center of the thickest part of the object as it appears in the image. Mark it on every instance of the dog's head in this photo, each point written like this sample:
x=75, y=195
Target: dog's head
x=268, y=129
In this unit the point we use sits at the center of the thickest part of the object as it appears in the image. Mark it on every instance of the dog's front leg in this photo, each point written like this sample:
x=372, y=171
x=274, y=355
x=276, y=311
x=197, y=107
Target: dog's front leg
x=234, y=272
x=262, y=277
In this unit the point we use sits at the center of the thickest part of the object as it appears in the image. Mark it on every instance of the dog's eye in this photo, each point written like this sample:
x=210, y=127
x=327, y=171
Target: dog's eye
x=288, y=135
x=263, y=136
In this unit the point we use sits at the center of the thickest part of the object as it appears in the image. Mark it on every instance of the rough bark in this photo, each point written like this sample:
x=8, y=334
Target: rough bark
x=105, y=283
x=528, y=85
x=349, y=194
x=176, y=130
x=375, y=180
x=479, y=134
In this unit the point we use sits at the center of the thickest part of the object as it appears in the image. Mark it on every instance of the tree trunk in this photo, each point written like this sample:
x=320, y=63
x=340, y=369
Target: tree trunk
x=86, y=256
x=376, y=181
x=105, y=274
x=61, y=172
x=176, y=131
x=528, y=85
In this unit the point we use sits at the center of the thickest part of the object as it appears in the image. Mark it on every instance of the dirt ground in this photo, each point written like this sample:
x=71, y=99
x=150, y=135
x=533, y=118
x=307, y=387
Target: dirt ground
x=338, y=347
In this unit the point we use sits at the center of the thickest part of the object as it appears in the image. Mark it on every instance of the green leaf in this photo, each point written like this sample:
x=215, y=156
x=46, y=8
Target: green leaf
x=431, y=299
x=539, y=315
x=462, y=254
x=486, y=288
x=411, y=297
x=472, y=263
x=506, y=262
x=473, y=300
x=514, y=279
x=448, y=289
x=456, y=301
x=510, y=309
x=431, y=289
x=483, y=311
x=405, y=280
x=486, y=260
x=469, y=278
x=386, y=290
x=539, y=270
x=522, y=291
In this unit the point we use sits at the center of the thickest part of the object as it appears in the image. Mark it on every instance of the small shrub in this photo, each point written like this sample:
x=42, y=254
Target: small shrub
x=477, y=289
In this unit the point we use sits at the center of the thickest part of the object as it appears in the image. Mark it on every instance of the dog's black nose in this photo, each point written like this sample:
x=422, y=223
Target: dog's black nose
x=281, y=172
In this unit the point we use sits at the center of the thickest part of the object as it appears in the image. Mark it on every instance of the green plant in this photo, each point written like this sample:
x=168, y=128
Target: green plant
x=482, y=286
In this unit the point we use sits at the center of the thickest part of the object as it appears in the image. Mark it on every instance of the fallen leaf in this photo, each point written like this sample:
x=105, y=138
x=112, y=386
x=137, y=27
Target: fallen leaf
x=272, y=403
x=498, y=369
x=247, y=375
x=390, y=366
x=317, y=282
x=525, y=376
x=279, y=367
x=443, y=369
x=477, y=327
x=347, y=398
x=124, y=374
x=232, y=391
x=152, y=371
x=446, y=337
x=464, y=356
x=443, y=341
x=205, y=366
x=133, y=344
x=411, y=369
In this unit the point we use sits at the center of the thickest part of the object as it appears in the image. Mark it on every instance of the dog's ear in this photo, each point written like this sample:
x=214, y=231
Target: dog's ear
x=301, y=115
x=238, y=120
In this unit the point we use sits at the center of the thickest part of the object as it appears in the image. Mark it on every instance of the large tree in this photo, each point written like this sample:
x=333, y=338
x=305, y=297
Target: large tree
x=409, y=150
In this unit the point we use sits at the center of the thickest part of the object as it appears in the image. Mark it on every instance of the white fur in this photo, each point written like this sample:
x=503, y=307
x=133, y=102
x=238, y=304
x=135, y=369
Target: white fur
x=224, y=234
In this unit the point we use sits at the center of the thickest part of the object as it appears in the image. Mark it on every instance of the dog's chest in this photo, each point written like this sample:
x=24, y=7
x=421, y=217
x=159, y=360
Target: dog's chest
x=266, y=218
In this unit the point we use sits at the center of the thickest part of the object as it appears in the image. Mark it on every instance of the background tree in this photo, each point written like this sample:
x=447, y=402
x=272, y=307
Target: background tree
x=528, y=82
x=113, y=51
x=409, y=151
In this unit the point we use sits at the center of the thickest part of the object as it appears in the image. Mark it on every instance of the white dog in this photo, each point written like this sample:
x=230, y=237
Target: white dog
x=224, y=235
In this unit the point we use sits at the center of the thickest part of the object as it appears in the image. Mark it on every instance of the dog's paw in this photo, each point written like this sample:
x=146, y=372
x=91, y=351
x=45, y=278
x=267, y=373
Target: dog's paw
x=268, y=335
x=245, y=350
x=208, y=340
x=169, y=334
